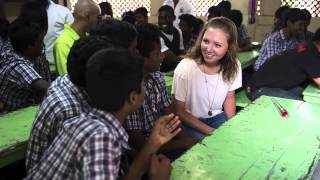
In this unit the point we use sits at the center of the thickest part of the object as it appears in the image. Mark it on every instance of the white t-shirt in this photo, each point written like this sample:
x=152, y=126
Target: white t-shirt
x=170, y=37
x=183, y=7
x=57, y=16
x=189, y=86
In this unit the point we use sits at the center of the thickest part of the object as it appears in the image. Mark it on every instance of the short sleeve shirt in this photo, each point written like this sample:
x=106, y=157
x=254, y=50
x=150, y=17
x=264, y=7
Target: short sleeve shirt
x=156, y=100
x=189, y=86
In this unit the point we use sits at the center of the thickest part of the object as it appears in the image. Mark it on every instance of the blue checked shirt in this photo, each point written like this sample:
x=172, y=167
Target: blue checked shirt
x=16, y=76
x=64, y=100
x=155, y=101
x=276, y=43
x=92, y=145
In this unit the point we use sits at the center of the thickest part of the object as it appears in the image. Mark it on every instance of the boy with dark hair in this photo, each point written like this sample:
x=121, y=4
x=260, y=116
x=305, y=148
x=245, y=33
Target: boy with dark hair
x=66, y=96
x=244, y=39
x=171, y=35
x=157, y=101
x=225, y=6
x=141, y=15
x=282, y=75
x=93, y=145
x=286, y=38
x=190, y=27
x=20, y=84
x=65, y=99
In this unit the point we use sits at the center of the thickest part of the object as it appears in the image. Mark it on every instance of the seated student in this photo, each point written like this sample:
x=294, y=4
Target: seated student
x=20, y=84
x=66, y=96
x=157, y=101
x=204, y=83
x=190, y=27
x=34, y=12
x=86, y=14
x=93, y=145
x=286, y=38
x=65, y=99
x=278, y=23
x=244, y=39
x=281, y=75
x=141, y=15
x=171, y=36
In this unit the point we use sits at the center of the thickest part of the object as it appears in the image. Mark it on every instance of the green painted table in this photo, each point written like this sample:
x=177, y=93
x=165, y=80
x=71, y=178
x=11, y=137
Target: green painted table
x=312, y=94
x=248, y=58
x=14, y=133
x=258, y=144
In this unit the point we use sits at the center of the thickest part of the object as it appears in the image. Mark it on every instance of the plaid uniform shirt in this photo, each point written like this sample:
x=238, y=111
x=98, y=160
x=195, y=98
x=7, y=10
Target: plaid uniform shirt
x=16, y=76
x=64, y=100
x=40, y=64
x=155, y=100
x=89, y=146
x=276, y=43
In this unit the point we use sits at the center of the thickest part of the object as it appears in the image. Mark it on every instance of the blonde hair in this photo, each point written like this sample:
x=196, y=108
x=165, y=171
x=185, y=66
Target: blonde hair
x=228, y=63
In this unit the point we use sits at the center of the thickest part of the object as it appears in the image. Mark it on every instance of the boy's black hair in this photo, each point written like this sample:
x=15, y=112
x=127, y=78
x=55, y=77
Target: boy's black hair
x=106, y=8
x=44, y=3
x=214, y=11
x=111, y=75
x=308, y=14
x=236, y=16
x=280, y=11
x=128, y=17
x=192, y=21
x=4, y=27
x=167, y=9
x=23, y=34
x=225, y=5
x=316, y=36
x=34, y=11
x=293, y=15
x=80, y=53
x=142, y=10
x=148, y=36
x=117, y=31
x=189, y=19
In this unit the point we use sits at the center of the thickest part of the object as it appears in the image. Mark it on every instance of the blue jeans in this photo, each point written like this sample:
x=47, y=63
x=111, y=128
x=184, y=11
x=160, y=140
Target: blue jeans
x=214, y=122
x=294, y=93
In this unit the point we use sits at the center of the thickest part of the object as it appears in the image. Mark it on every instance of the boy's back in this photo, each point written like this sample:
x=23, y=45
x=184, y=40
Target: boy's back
x=88, y=146
x=17, y=74
x=64, y=100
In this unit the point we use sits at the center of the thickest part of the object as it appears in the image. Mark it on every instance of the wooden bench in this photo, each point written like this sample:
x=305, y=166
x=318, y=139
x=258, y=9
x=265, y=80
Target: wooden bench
x=14, y=134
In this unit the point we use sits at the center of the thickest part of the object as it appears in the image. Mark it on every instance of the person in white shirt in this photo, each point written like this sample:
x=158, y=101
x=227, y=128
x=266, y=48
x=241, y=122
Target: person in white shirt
x=180, y=7
x=58, y=15
x=170, y=35
x=205, y=81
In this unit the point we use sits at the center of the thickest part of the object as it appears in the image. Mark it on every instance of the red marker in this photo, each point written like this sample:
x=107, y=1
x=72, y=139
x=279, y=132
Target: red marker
x=283, y=112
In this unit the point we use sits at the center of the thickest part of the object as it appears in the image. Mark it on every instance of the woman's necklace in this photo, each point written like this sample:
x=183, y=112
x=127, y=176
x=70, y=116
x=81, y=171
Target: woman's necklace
x=211, y=102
